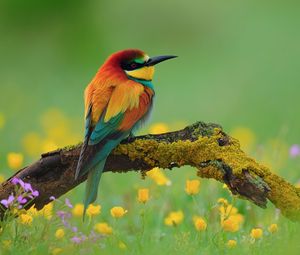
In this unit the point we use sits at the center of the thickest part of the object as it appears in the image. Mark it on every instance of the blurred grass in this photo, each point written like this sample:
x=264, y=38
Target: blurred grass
x=238, y=66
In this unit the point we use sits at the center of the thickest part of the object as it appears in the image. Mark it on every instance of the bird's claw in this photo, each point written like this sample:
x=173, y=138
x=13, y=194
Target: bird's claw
x=130, y=137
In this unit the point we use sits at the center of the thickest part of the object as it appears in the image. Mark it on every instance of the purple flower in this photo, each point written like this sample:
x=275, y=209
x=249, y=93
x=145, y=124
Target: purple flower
x=35, y=193
x=63, y=214
x=22, y=200
x=74, y=229
x=294, y=150
x=22, y=184
x=93, y=236
x=76, y=239
x=15, y=180
x=66, y=223
x=26, y=187
x=8, y=202
x=52, y=198
x=68, y=203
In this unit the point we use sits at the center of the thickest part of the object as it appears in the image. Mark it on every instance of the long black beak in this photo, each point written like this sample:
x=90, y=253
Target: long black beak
x=155, y=60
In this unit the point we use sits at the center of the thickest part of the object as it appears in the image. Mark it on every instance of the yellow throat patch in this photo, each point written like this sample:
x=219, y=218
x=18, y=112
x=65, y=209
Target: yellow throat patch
x=144, y=73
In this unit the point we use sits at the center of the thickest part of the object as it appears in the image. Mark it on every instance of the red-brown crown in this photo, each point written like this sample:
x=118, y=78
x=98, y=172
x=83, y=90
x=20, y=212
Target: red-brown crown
x=120, y=57
x=112, y=67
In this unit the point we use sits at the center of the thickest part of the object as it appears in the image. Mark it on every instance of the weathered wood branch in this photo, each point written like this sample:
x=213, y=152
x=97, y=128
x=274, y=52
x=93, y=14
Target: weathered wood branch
x=204, y=146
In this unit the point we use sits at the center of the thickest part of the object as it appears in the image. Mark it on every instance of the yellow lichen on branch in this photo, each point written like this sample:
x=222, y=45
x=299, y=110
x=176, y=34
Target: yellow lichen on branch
x=209, y=157
x=204, y=146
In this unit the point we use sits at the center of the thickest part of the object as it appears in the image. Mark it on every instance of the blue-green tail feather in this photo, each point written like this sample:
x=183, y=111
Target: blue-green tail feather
x=95, y=168
x=104, y=152
x=92, y=184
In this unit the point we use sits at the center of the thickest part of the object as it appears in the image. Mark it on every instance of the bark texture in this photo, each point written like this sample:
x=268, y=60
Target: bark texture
x=206, y=147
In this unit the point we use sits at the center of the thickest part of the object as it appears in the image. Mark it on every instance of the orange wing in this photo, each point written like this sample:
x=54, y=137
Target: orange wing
x=129, y=98
x=124, y=97
x=97, y=95
x=132, y=116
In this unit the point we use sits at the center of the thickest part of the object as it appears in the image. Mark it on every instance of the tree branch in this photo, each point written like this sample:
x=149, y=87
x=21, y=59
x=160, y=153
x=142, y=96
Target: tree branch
x=204, y=146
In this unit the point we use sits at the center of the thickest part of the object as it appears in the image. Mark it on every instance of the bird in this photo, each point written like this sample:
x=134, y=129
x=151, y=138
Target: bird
x=117, y=101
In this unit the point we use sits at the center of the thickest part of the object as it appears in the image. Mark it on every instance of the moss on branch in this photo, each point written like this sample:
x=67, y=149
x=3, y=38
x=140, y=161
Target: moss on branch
x=204, y=146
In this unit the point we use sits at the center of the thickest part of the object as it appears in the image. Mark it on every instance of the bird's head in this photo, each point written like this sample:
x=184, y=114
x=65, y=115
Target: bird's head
x=136, y=63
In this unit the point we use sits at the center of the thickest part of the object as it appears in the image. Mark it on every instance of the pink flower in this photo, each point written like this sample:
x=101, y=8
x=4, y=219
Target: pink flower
x=295, y=150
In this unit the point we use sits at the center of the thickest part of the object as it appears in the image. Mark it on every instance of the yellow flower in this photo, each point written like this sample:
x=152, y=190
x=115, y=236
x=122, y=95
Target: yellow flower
x=158, y=128
x=93, y=210
x=47, y=211
x=230, y=225
x=256, y=233
x=59, y=233
x=2, y=178
x=158, y=176
x=2, y=120
x=117, y=211
x=273, y=228
x=231, y=220
x=15, y=160
x=223, y=201
x=77, y=211
x=231, y=243
x=122, y=245
x=227, y=210
x=143, y=195
x=192, y=187
x=33, y=211
x=103, y=228
x=57, y=251
x=199, y=223
x=6, y=244
x=174, y=218
x=16, y=212
x=25, y=219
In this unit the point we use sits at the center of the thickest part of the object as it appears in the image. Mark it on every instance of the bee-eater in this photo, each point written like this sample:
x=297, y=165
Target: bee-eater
x=117, y=101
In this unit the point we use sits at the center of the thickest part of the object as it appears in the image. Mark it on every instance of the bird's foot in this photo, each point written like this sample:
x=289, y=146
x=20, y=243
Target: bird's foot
x=130, y=137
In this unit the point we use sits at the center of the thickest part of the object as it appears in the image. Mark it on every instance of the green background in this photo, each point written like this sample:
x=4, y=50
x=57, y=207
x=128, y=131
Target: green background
x=238, y=66
x=238, y=60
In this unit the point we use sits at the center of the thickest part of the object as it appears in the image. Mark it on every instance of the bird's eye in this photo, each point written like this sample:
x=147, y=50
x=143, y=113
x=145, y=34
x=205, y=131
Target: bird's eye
x=133, y=65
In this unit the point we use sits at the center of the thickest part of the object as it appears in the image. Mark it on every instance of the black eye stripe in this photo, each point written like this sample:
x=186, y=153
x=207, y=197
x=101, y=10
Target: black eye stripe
x=129, y=66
